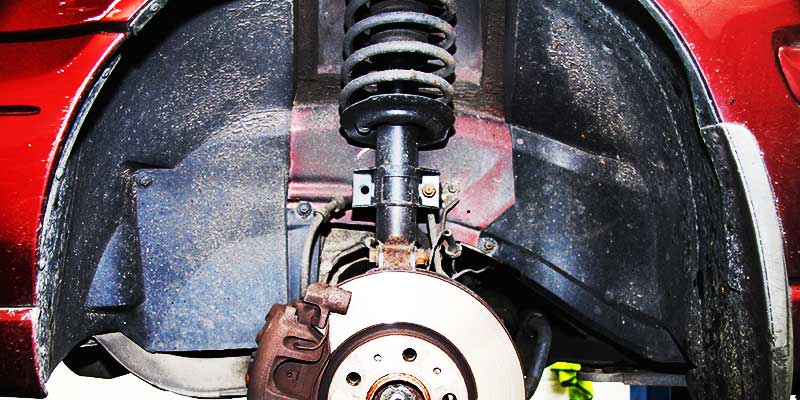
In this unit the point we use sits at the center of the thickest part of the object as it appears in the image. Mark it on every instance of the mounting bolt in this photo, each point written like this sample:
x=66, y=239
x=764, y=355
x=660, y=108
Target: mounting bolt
x=488, y=245
x=428, y=190
x=144, y=180
x=304, y=209
x=452, y=188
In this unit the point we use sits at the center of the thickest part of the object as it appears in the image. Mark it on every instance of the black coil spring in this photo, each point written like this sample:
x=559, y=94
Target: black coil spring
x=398, y=46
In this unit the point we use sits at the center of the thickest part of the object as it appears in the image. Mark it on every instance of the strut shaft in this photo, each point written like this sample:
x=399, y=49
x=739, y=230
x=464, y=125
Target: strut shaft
x=397, y=179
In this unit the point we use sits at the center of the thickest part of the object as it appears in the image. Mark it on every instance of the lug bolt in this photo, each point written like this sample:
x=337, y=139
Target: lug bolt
x=428, y=190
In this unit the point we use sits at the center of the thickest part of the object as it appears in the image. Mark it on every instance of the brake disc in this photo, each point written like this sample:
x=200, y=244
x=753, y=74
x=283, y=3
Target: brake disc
x=418, y=336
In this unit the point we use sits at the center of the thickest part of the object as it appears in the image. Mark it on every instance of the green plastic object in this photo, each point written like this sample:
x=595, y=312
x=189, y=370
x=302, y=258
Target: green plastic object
x=567, y=374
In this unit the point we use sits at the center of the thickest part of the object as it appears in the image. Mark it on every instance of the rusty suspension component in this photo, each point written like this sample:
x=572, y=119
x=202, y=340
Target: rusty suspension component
x=397, y=97
x=293, y=346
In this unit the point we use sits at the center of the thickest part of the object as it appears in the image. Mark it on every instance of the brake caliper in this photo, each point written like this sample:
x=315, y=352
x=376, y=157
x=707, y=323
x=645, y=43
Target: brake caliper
x=293, y=345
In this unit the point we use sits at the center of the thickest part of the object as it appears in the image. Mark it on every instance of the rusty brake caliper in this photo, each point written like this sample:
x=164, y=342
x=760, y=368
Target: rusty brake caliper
x=293, y=345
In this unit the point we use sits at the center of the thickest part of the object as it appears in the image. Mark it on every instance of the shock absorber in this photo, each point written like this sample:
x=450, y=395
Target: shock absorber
x=397, y=98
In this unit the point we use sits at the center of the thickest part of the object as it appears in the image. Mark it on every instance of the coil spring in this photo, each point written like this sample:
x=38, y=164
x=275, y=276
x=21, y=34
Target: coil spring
x=398, y=47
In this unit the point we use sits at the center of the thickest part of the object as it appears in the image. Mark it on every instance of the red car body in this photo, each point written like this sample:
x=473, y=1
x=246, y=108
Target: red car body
x=744, y=49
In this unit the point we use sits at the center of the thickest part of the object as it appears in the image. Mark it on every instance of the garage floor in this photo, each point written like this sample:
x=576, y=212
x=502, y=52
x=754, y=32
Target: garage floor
x=65, y=385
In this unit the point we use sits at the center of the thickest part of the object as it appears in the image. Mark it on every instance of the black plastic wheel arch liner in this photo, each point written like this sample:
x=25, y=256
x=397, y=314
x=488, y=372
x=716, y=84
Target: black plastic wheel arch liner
x=632, y=211
x=630, y=217
x=167, y=219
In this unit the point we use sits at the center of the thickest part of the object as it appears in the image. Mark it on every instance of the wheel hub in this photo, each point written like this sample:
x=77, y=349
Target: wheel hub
x=397, y=362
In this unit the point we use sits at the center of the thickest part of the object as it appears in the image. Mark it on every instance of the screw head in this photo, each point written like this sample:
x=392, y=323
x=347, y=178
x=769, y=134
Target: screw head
x=304, y=209
x=452, y=188
x=429, y=190
x=488, y=245
x=144, y=180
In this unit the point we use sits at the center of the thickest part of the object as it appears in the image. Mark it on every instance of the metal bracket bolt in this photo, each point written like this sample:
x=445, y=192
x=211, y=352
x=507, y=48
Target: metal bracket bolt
x=144, y=180
x=488, y=245
x=429, y=190
x=304, y=209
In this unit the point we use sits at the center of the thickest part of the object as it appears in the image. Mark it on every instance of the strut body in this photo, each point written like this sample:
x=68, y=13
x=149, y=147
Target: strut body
x=396, y=98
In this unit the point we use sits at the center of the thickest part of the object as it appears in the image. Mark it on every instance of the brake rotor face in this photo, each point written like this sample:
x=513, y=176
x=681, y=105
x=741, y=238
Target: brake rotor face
x=398, y=362
x=418, y=336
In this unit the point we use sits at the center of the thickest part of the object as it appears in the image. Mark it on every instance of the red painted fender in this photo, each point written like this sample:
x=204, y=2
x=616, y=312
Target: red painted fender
x=735, y=44
x=49, y=79
x=732, y=42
